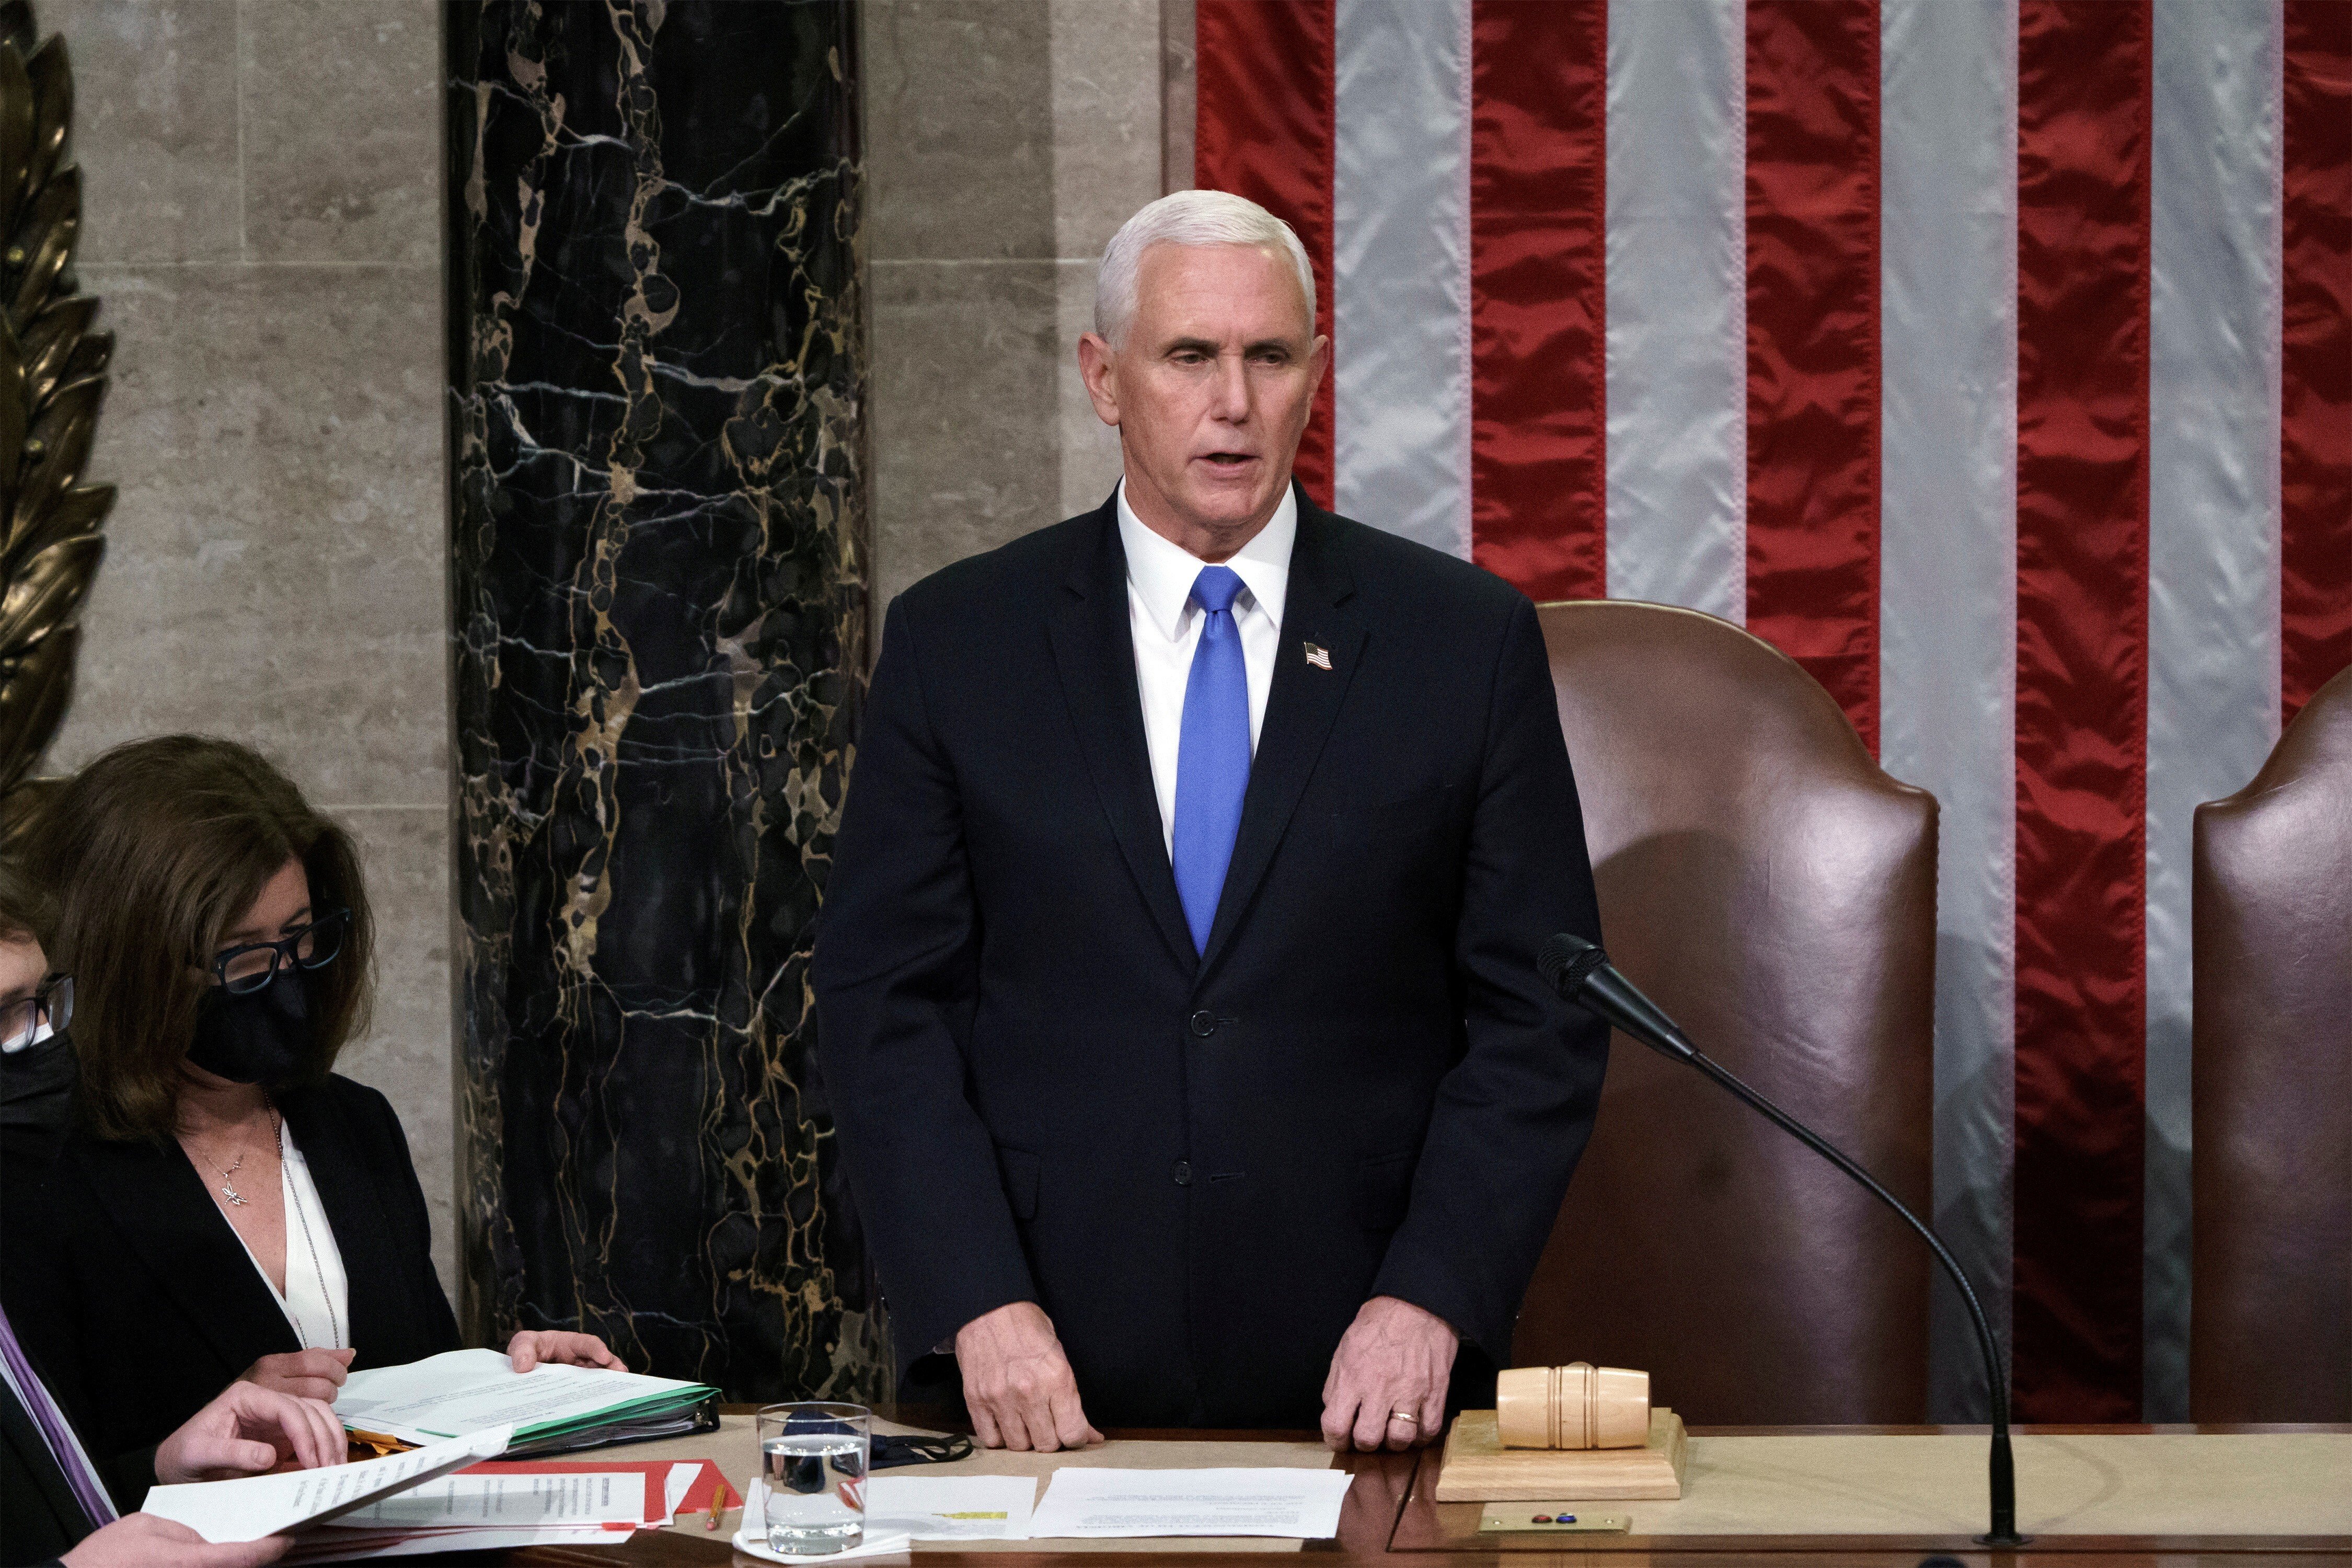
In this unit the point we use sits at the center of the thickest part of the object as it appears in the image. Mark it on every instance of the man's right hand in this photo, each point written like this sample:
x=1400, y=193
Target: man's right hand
x=305, y=1375
x=1017, y=1384
x=143, y=1540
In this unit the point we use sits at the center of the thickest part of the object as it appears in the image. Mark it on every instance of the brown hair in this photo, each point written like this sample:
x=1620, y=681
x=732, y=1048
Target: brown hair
x=156, y=849
x=27, y=914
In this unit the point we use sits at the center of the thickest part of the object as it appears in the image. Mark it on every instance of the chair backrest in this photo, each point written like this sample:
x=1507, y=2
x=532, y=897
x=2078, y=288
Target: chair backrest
x=2271, y=1308
x=1768, y=885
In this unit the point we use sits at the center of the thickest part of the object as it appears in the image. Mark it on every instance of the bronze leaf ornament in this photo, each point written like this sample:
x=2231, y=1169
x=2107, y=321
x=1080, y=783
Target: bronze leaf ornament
x=52, y=380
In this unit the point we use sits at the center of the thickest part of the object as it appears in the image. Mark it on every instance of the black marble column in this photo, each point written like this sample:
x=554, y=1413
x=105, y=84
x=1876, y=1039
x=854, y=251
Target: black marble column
x=659, y=607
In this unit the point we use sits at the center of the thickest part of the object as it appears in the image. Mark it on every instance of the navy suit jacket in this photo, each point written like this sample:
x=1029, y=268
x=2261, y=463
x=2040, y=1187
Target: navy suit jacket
x=1202, y=1164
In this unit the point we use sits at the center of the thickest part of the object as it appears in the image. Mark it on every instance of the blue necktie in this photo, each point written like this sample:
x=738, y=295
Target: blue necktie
x=1213, y=757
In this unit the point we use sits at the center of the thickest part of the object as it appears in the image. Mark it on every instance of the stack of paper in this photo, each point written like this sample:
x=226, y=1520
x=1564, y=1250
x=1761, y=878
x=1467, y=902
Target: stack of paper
x=442, y=1498
x=477, y=1512
x=300, y=1501
x=1082, y=1501
x=672, y=1485
x=552, y=1409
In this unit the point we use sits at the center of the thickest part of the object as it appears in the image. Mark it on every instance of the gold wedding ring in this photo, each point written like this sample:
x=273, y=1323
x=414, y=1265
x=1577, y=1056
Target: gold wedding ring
x=1405, y=1415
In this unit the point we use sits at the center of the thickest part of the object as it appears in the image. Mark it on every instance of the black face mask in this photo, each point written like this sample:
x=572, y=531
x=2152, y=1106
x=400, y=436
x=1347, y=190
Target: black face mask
x=36, y=1089
x=261, y=1037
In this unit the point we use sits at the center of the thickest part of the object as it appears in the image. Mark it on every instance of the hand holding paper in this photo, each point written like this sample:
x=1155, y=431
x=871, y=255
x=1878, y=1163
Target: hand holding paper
x=258, y=1506
x=142, y=1540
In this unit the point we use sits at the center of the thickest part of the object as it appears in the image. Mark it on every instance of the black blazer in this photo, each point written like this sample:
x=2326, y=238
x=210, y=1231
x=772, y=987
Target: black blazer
x=1201, y=1165
x=125, y=1278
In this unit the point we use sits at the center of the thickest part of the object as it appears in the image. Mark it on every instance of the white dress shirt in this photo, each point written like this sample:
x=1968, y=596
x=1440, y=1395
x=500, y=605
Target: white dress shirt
x=317, y=1297
x=1166, y=625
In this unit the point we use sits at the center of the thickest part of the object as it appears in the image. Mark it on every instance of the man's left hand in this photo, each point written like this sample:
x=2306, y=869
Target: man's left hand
x=248, y=1429
x=553, y=1347
x=1394, y=1357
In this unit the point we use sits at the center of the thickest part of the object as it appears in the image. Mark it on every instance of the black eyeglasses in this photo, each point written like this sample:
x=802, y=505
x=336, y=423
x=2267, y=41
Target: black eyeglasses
x=52, y=1003
x=244, y=970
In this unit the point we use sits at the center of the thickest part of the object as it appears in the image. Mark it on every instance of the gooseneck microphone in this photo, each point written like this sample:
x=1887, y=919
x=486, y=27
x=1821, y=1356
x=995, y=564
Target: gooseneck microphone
x=1582, y=974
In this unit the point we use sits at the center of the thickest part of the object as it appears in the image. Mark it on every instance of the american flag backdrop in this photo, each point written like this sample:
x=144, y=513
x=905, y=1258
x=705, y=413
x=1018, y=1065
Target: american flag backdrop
x=1991, y=357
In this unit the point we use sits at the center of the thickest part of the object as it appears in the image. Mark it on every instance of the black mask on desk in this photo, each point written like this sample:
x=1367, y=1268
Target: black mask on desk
x=261, y=1037
x=37, y=1089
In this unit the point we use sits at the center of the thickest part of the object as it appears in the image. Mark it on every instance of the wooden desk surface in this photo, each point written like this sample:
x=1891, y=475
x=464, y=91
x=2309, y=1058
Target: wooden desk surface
x=1391, y=1520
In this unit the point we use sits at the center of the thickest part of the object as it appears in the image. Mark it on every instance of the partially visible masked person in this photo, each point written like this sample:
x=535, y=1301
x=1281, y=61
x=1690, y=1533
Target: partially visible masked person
x=225, y=1205
x=36, y=1058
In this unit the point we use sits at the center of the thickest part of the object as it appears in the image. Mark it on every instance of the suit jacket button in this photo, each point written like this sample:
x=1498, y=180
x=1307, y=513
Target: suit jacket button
x=1184, y=1173
x=1204, y=1022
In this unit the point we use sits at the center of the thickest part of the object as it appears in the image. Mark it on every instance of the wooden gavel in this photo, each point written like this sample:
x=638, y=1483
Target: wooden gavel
x=1579, y=1405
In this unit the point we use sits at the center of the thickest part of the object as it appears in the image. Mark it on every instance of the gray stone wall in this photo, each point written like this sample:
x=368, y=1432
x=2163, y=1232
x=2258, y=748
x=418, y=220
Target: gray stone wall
x=1006, y=140
x=263, y=226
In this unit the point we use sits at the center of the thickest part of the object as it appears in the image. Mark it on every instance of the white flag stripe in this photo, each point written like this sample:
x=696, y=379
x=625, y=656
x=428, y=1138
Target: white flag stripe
x=2213, y=543
x=1677, y=304
x=1676, y=458
x=1948, y=592
x=1401, y=268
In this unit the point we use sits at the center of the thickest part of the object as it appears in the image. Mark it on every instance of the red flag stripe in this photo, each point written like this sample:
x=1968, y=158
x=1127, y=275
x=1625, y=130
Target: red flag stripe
x=2084, y=93
x=1813, y=342
x=1265, y=130
x=2316, y=369
x=1537, y=164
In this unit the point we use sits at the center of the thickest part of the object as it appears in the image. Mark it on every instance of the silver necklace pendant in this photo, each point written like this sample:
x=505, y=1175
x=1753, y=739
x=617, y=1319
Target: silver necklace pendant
x=228, y=1172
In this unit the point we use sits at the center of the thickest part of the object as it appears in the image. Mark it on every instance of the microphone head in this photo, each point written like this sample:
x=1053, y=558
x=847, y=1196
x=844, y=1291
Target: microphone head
x=1566, y=962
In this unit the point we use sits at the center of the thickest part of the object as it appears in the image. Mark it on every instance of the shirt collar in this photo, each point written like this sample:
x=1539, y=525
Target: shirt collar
x=1162, y=571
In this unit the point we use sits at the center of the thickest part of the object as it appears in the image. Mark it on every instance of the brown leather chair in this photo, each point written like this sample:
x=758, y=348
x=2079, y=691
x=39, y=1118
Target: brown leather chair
x=2270, y=1313
x=1768, y=885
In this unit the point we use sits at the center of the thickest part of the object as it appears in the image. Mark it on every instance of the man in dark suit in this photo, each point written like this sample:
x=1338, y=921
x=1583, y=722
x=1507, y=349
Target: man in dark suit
x=1176, y=981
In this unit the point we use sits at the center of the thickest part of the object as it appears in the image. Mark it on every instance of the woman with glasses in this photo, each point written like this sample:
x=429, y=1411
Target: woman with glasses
x=227, y=1206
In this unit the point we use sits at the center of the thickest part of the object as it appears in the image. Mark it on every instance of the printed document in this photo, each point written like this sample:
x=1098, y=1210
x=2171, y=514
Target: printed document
x=1105, y=1502
x=251, y=1506
x=521, y=1501
x=952, y=1508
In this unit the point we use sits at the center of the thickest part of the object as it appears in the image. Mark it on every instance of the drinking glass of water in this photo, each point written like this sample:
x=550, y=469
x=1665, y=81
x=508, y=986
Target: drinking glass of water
x=813, y=1461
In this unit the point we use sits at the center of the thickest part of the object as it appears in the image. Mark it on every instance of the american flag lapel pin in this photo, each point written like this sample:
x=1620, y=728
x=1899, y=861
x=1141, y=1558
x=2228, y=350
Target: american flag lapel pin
x=1319, y=658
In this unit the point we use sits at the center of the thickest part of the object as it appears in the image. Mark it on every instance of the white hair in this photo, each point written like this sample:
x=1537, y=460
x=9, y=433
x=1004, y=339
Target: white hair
x=1188, y=218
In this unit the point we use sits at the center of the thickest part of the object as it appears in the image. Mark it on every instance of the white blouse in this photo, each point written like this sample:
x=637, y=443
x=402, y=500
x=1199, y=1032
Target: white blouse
x=317, y=1297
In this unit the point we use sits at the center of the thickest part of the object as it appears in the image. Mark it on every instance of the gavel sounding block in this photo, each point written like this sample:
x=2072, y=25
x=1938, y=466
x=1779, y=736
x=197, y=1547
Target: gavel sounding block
x=1477, y=1467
